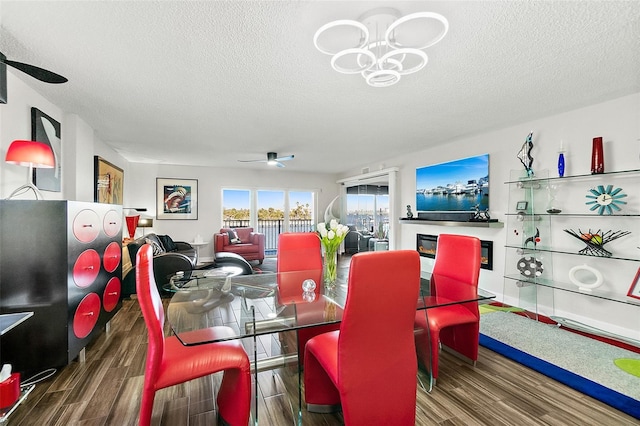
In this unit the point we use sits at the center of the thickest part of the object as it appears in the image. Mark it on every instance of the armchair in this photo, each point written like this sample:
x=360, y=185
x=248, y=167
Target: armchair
x=168, y=257
x=250, y=246
x=356, y=241
x=455, y=276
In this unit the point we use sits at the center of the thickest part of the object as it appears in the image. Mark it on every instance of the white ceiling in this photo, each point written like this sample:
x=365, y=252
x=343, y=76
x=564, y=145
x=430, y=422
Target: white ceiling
x=210, y=83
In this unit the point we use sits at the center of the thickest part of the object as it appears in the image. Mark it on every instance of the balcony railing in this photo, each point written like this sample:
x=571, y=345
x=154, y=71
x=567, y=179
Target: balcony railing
x=271, y=228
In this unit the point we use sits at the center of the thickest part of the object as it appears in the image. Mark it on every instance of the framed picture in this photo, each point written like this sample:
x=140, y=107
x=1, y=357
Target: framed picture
x=521, y=205
x=177, y=198
x=108, y=182
x=47, y=130
x=634, y=290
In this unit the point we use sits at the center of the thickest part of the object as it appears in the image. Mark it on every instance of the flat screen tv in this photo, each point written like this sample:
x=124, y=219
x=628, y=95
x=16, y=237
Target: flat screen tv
x=454, y=186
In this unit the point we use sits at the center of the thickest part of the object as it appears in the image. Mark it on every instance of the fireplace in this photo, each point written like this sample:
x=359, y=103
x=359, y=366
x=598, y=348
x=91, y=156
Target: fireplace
x=427, y=246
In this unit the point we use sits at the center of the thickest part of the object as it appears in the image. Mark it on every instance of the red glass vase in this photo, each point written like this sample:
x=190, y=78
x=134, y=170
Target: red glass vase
x=132, y=224
x=597, y=156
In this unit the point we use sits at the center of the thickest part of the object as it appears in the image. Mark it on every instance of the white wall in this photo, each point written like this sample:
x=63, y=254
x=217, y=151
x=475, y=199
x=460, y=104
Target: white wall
x=140, y=183
x=617, y=121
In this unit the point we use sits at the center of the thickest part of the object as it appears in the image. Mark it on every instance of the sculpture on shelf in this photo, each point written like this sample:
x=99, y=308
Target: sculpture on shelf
x=530, y=267
x=480, y=216
x=535, y=239
x=409, y=212
x=524, y=155
x=595, y=241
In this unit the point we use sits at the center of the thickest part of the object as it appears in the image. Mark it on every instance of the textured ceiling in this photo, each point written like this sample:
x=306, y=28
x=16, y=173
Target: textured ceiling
x=210, y=83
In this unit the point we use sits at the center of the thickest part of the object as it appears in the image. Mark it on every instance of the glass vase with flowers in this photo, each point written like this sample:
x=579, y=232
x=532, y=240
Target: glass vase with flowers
x=331, y=236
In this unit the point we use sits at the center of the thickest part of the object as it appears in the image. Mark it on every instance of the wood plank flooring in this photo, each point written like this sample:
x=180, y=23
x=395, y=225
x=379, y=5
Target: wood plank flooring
x=105, y=390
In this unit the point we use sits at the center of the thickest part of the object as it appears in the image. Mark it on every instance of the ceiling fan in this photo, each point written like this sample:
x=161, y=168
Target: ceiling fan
x=35, y=72
x=272, y=159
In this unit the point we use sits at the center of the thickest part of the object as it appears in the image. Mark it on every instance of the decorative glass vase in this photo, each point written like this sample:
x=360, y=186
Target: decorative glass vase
x=597, y=157
x=330, y=269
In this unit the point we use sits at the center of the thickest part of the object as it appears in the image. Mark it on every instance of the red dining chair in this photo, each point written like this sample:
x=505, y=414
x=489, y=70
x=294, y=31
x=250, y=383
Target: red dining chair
x=455, y=277
x=369, y=365
x=300, y=256
x=170, y=363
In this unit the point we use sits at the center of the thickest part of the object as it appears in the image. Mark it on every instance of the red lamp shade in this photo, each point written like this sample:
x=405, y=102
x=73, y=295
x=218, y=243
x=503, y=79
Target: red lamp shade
x=30, y=153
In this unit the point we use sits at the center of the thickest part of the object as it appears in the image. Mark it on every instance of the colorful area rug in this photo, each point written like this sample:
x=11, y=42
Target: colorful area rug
x=584, y=364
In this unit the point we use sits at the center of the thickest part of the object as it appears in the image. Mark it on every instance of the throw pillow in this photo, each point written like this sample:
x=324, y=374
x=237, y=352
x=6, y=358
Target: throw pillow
x=168, y=243
x=155, y=246
x=233, y=237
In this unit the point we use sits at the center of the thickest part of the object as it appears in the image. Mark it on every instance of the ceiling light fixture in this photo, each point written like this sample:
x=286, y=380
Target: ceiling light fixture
x=381, y=45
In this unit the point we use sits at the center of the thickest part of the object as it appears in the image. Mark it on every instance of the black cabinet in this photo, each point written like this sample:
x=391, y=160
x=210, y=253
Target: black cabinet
x=62, y=261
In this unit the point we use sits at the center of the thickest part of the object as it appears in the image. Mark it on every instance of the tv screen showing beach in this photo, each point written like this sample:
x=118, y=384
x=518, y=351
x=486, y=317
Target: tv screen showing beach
x=457, y=185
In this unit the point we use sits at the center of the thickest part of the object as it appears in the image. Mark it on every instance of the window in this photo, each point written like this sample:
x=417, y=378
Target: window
x=269, y=211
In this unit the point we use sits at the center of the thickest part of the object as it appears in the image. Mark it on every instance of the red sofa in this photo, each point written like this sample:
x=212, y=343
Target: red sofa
x=251, y=245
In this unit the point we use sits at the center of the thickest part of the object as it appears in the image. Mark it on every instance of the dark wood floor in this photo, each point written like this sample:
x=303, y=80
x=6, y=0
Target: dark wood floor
x=105, y=390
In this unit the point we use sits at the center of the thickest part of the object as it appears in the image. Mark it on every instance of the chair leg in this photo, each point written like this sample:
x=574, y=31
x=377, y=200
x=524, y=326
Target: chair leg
x=234, y=396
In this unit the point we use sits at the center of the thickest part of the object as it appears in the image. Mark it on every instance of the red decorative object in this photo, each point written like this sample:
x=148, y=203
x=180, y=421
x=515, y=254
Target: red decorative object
x=597, y=157
x=169, y=362
x=132, y=224
x=30, y=154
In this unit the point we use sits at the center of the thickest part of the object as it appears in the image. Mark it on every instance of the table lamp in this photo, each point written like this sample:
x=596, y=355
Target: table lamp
x=31, y=154
x=145, y=222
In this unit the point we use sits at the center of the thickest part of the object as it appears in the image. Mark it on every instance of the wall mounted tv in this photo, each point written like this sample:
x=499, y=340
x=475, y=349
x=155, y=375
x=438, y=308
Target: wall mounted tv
x=454, y=186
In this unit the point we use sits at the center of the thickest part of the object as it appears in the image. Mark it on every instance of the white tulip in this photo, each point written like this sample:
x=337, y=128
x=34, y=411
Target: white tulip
x=333, y=225
x=322, y=231
x=321, y=226
x=331, y=234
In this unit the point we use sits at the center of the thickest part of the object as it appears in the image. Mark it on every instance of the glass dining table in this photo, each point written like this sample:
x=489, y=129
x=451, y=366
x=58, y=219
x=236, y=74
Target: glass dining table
x=265, y=311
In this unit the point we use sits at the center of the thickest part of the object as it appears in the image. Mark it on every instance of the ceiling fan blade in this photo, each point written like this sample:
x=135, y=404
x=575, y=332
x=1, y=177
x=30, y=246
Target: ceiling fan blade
x=287, y=158
x=37, y=72
x=279, y=164
x=252, y=161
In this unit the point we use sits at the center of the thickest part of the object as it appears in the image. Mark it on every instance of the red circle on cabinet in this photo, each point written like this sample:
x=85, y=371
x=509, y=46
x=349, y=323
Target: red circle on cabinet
x=86, y=268
x=111, y=257
x=112, y=223
x=111, y=294
x=86, y=315
x=86, y=226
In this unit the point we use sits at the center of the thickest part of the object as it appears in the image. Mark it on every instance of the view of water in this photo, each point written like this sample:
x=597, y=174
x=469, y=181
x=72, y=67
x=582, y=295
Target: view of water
x=451, y=202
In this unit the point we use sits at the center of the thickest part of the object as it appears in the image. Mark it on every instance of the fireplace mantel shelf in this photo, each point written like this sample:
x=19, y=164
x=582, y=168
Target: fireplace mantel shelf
x=453, y=223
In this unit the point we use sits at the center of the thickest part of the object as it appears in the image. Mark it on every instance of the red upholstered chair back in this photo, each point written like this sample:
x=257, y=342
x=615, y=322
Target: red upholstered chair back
x=376, y=350
x=152, y=310
x=457, y=268
x=298, y=251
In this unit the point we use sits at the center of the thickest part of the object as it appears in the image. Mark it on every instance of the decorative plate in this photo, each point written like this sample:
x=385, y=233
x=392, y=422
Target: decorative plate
x=605, y=200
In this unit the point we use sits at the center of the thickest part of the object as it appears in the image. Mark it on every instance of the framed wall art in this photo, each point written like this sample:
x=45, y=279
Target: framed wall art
x=47, y=130
x=108, y=182
x=177, y=198
x=634, y=290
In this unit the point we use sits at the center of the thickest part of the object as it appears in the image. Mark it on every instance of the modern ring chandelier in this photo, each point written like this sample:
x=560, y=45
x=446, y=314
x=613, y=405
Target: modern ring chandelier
x=381, y=45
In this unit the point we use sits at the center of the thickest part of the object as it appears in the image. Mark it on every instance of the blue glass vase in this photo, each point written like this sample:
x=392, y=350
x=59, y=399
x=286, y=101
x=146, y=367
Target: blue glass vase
x=561, y=164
